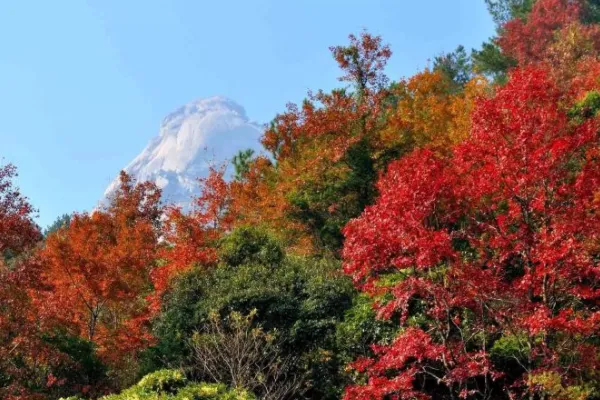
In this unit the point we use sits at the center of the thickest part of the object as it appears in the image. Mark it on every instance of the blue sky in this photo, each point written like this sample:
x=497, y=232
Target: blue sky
x=85, y=84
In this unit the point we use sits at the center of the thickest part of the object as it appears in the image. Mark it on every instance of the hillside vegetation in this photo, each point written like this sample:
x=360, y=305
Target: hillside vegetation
x=434, y=237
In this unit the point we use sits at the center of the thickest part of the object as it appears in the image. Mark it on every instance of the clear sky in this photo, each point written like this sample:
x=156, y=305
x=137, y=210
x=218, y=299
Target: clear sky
x=84, y=84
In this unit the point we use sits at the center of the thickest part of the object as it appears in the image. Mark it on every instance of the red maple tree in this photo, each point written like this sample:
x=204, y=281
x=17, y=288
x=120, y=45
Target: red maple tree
x=488, y=259
x=18, y=231
x=21, y=350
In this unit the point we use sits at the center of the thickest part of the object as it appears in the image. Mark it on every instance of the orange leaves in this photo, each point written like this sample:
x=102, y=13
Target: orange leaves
x=316, y=179
x=335, y=120
x=256, y=199
x=328, y=149
x=99, y=269
x=423, y=113
x=191, y=239
x=135, y=201
x=280, y=139
x=327, y=120
x=212, y=206
x=462, y=106
x=430, y=113
x=189, y=243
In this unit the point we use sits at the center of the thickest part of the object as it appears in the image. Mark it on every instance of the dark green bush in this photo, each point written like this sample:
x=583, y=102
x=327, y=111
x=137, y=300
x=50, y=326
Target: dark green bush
x=304, y=299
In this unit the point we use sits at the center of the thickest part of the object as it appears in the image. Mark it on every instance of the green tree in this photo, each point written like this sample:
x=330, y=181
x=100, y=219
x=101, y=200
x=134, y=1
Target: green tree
x=61, y=222
x=79, y=362
x=250, y=245
x=301, y=298
x=503, y=11
x=490, y=60
x=325, y=206
x=241, y=163
x=361, y=329
x=456, y=66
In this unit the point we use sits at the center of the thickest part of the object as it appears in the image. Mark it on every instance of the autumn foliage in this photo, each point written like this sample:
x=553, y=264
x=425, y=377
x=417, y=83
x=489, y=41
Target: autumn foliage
x=99, y=270
x=496, y=244
x=18, y=333
x=17, y=229
x=464, y=208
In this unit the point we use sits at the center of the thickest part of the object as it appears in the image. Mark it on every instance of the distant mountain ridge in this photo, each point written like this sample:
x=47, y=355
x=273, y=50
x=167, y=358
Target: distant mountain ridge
x=201, y=133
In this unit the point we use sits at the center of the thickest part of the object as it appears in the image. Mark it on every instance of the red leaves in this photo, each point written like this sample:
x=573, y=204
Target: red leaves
x=528, y=41
x=400, y=387
x=504, y=232
x=17, y=229
x=411, y=346
x=329, y=121
x=401, y=229
x=409, y=352
x=554, y=34
x=22, y=351
x=190, y=244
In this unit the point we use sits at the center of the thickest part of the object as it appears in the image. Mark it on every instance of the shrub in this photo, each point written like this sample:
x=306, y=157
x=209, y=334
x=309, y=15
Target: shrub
x=163, y=381
x=247, y=245
x=172, y=385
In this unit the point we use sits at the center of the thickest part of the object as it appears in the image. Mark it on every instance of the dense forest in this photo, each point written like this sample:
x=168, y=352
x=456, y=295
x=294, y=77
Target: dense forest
x=435, y=237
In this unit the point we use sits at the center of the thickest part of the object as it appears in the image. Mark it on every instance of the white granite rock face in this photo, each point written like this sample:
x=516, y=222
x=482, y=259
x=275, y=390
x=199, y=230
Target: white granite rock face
x=200, y=134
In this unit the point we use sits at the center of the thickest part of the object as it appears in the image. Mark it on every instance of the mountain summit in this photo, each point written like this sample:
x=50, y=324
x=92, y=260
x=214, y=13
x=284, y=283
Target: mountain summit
x=199, y=134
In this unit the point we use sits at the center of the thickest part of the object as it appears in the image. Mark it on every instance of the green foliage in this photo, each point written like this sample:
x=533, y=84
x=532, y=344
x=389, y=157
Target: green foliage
x=256, y=286
x=592, y=12
x=586, y=108
x=205, y=391
x=510, y=347
x=163, y=381
x=247, y=245
x=81, y=353
x=241, y=163
x=325, y=206
x=75, y=362
x=173, y=385
x=302, y=298
x=456, y=66
x=180, y=316
x=552, y=386
x=505, y=10
x=361, y=328
x=510, y=353
x=491, y=61
x=61, y=222
x=361, y=179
